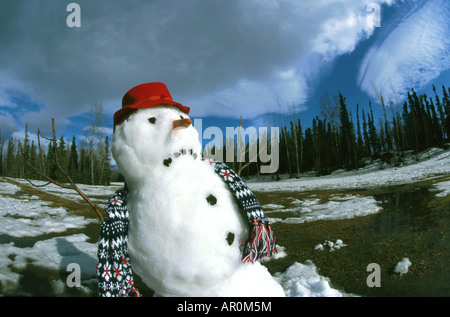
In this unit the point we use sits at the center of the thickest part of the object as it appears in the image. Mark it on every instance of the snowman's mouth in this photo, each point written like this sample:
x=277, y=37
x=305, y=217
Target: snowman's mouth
x=178, y=154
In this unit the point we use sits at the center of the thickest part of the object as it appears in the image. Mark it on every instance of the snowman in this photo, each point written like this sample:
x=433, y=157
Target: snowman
x=187, y=226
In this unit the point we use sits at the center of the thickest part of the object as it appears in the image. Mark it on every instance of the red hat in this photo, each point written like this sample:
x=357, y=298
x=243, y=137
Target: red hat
x=146, y=96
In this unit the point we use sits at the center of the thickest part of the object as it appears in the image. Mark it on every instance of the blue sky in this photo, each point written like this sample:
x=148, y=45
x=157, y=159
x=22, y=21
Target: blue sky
x=223, y=59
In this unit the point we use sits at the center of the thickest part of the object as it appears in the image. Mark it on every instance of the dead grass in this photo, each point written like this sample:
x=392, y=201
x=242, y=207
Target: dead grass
x=57, y=200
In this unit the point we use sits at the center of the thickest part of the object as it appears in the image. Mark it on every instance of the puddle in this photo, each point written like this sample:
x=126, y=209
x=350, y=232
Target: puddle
x=413, y=222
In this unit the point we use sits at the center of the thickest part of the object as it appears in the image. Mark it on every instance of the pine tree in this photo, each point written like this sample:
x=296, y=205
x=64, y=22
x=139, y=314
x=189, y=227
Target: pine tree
x=84, y=174
x=33, y=155
x=367, y=147
x=10, y=160
x=441, y=111
x=51, y=165
x=446, y=106
x=72, y=164
x=26, y=150
x=105, y=175
x=374, y=139
x=61, y=153
x=19, y=160
x=317, y=145
x=346, y=135
x=308, y=161
x=360, y=149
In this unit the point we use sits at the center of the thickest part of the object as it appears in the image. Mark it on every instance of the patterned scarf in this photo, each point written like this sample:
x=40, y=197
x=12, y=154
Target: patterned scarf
x=114, y=272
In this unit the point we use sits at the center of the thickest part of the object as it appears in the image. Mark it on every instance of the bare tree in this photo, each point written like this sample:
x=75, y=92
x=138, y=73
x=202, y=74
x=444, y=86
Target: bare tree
x=381, y=99
x=328, y=110
x=252, y=155
x=94, y=133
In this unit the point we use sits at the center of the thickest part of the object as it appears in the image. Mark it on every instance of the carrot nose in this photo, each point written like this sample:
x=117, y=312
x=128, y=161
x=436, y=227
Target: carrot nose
x=182, y=123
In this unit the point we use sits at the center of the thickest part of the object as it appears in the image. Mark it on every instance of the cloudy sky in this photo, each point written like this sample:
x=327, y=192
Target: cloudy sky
x=223, y=59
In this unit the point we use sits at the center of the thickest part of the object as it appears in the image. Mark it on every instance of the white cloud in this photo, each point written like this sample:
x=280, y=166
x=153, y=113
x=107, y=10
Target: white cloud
x=412, y=54
x=218, y=57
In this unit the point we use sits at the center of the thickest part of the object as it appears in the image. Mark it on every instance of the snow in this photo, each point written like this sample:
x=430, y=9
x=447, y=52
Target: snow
x=34, y=232
x=402, y=266
x=330, y=245
x=302, y=280
x=31, y=220
x=443, y=188
x=31, y=217
x=336, y=208
x=430, y=163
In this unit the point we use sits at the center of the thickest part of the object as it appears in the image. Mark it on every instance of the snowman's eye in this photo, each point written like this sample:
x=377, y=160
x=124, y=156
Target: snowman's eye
x=152, y=120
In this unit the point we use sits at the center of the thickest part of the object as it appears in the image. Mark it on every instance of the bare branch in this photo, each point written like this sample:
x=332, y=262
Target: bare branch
x=58, y=166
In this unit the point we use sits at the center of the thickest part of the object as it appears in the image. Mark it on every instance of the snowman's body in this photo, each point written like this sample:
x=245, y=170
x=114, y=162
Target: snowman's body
x=185, y=226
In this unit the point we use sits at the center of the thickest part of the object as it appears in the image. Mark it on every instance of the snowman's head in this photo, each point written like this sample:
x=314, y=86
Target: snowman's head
x=151, y=139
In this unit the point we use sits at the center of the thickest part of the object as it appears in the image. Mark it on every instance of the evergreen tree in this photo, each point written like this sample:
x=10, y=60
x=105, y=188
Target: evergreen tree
x=446, y=106
x=346, y=135
x=62, y=159
x=50, y=163
x=308, y=161
x=441, y=111
x=367, y=147
x=25, y=151
x=84, y=174
x=105, y=175
x=360, y=149
x=72, y=164
x=33, y=155
x=19, y=161
x=374, y=139
x=10, y=159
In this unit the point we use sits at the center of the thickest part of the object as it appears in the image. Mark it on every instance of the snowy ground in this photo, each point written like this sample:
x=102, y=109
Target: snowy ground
x=33, y=232
x=431, y=163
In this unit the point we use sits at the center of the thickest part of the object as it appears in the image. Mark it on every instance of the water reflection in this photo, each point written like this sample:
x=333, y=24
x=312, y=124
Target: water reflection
x=409, y=209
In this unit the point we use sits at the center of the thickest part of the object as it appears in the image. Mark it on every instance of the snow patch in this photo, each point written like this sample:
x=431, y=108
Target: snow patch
x=443, y=188
x=430, y=163
x=336, y=208
x=302, y=280
x=330, y=245
x=402, y=266
x=31, y=217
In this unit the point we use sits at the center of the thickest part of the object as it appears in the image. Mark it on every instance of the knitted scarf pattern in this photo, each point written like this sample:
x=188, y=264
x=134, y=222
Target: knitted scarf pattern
x=114, y=271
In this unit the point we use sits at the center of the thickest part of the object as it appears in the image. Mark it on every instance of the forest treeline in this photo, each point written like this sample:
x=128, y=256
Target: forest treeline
x=85, y=166
x=86, y=161
x=334, y=140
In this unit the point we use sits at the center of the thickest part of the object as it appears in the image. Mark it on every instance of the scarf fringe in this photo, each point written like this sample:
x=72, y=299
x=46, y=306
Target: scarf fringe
x=260, y=243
